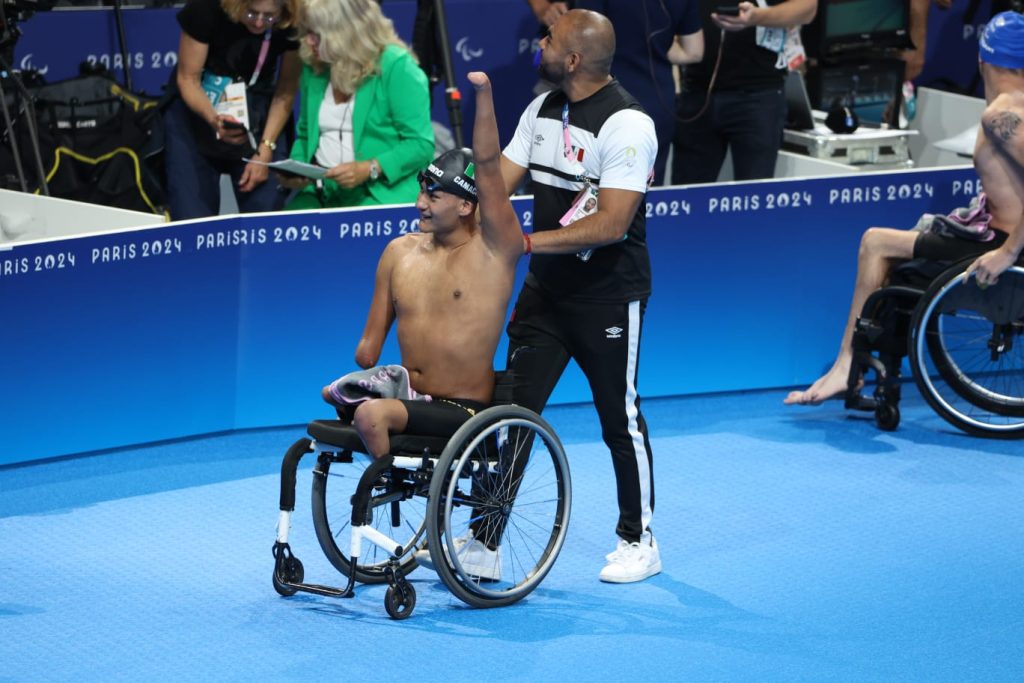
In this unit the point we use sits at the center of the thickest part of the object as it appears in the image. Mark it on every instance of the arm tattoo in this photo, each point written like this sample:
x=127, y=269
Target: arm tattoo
x=1003, y=126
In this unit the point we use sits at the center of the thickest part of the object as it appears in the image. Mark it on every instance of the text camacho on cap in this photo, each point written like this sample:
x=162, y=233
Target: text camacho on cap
x=452, y=172
x=1002, y=42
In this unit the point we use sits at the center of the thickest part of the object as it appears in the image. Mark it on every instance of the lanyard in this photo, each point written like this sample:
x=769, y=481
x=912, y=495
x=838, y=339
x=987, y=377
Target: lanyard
x=264, y=49
x=581, y=173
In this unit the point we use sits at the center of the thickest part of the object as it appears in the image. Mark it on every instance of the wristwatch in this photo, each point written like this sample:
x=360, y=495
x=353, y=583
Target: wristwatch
x=270, y=144
x=374, y=169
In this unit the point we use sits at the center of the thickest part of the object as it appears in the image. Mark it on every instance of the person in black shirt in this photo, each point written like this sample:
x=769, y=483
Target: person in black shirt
x=745, y=110
x=589, y=280
x=651, y=37
x=236, y=41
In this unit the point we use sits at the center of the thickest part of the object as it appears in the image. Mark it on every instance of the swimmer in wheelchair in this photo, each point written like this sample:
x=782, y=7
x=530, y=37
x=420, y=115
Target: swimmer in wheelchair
x=935, y=317
x=442, y=472
x=965, y=344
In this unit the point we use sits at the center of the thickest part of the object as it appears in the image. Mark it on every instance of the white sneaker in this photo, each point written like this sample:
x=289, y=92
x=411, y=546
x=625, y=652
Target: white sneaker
x=631, y=562
x=480, y=561
x=423, y=558
x=623, y=544
x=476, y=558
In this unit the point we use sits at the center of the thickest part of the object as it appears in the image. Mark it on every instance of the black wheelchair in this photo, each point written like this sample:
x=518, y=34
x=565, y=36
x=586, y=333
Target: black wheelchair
x=965, y=346
x=502, y=478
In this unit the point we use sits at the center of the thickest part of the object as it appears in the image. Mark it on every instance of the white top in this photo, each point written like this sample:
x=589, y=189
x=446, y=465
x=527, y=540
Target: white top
x=336, y=139
x=621, y=156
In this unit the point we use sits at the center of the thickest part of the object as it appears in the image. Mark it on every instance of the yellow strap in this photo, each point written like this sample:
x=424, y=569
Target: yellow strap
x=97, y=160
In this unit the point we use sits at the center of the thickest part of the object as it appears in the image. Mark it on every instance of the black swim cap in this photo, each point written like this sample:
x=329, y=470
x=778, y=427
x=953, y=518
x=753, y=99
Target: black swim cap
x=452, y=172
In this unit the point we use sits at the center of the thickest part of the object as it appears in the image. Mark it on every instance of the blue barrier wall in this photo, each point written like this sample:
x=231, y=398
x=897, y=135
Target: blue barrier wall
x=236, y=322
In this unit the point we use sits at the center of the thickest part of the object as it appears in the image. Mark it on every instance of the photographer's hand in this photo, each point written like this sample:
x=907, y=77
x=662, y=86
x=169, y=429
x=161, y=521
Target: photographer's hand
x=745, y=18
x=232, y=135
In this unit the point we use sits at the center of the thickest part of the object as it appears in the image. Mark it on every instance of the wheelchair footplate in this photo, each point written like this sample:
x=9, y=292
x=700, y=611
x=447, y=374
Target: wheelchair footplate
x=288, y=575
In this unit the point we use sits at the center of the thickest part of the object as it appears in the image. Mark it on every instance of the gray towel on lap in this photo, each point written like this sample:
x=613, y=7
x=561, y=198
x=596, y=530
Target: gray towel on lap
x=382, y=381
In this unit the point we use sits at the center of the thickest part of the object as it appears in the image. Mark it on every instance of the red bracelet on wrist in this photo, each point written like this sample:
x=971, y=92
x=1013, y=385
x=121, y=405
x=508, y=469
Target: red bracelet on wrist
x=527, y=243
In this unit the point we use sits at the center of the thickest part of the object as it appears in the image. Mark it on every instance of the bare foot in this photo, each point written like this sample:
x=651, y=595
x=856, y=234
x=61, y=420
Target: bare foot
x=832, y=384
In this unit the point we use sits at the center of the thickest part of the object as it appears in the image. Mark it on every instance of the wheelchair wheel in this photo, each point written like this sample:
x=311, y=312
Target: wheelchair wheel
x=396, y=511
x=398, y=605
x=289, y=569
x=967, y=352
x=501, y=491
x=887, y=416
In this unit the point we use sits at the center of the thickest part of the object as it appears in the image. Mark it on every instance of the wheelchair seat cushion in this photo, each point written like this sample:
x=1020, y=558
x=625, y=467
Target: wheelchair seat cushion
x=918, y=272
x=938, y=246
x=441, y=416
x=345, y=437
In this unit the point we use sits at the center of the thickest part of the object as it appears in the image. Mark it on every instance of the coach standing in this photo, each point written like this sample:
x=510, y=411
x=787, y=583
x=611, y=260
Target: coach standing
x=589, y=280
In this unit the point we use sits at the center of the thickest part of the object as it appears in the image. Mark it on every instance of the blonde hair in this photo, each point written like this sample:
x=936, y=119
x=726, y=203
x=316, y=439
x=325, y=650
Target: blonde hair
x=353, y=34
x=237, y=9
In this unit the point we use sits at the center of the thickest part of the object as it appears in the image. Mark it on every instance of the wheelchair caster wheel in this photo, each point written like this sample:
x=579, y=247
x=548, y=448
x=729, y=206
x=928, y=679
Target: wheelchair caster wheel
x=287, y=569
x=887, y=416
x=400, y=606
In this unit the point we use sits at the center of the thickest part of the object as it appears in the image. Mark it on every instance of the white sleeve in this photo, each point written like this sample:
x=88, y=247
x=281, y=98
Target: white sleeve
x=518, y=150
x=628, y=146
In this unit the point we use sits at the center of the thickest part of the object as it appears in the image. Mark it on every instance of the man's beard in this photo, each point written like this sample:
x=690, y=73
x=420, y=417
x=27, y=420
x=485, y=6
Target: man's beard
x=553, y=73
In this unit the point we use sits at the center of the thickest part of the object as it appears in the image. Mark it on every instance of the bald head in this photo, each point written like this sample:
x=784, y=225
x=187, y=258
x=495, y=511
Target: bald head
x=592, y=36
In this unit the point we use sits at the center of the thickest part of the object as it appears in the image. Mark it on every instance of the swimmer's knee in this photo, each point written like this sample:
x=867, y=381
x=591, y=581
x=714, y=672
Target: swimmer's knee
x=363, y=419
x=869, y=239
x=885, y=242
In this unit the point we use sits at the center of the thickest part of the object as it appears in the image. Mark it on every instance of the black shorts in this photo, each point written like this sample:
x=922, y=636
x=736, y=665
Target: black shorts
x=439, y=417
x=936, y=247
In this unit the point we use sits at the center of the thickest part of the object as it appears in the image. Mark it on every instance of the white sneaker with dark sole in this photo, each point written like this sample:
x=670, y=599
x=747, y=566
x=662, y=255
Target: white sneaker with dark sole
x=631, y=562
x=476, y=558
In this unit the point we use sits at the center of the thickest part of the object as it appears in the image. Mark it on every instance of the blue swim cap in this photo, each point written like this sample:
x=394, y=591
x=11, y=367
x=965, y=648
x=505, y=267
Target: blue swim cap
x=1002, y=43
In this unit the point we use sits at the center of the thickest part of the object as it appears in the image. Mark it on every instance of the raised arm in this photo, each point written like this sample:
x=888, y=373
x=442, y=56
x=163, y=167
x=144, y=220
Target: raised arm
x=382, y=311
x=499, y=223
x=1002, y=124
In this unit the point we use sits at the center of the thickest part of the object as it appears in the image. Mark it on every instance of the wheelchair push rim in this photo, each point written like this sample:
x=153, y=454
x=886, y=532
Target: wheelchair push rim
x=504, y=476
x=967, y=352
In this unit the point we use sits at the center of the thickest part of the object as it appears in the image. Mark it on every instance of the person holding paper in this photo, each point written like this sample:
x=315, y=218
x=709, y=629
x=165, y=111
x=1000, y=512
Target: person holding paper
x=237, y=75
x=364, y=109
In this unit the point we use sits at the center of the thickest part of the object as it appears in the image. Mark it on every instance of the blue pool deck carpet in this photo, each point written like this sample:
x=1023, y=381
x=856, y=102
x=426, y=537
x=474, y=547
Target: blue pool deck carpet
x=798, y=545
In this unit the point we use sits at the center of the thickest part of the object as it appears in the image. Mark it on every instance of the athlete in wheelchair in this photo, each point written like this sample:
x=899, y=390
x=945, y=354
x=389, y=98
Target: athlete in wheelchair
x=964, y=335
x=417, y=461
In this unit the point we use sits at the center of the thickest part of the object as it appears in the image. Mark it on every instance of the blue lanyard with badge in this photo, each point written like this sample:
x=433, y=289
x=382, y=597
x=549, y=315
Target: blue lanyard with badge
x=228, y=96
x=585, y=202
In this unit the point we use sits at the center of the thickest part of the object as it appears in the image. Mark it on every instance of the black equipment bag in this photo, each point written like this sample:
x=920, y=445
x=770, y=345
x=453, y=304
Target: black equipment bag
x=99, y=144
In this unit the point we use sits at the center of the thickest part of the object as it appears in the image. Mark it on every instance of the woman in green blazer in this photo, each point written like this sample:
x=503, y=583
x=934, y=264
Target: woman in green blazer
x=364, y=109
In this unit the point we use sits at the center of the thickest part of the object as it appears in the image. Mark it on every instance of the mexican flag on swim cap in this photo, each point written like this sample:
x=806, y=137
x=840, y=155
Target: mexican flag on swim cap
x=1002, y=42
x=452, y=172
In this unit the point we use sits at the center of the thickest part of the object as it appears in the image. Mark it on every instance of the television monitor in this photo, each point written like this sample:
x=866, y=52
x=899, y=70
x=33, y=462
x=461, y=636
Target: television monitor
x=843, y=28
x=871, y=88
